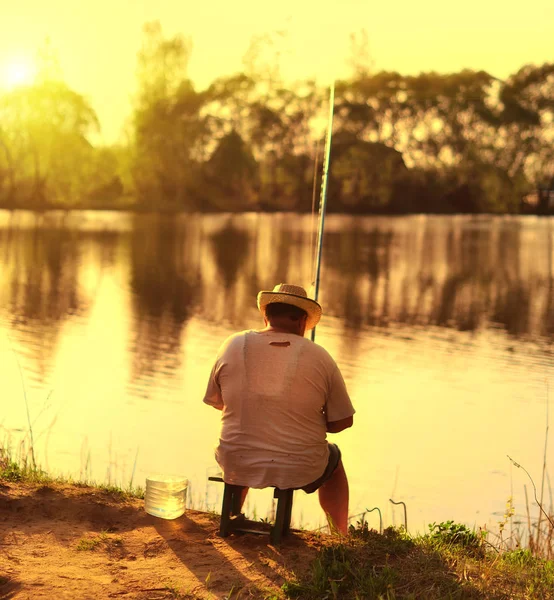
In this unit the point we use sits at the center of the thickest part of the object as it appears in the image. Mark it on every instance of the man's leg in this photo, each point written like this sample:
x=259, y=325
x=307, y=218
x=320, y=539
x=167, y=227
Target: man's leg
x=243, y=497
x=333, y=497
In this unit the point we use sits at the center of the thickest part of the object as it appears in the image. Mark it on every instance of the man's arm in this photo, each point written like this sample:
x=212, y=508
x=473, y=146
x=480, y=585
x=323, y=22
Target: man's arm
x=213, y=395
x=338, y=408
x=342, y=424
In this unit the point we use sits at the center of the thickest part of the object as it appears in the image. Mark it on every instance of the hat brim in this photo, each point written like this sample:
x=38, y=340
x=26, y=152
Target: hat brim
x=312, y=308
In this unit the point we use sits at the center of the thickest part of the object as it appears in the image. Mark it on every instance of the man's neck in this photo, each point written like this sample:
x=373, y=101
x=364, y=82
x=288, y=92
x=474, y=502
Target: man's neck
x=277, y=329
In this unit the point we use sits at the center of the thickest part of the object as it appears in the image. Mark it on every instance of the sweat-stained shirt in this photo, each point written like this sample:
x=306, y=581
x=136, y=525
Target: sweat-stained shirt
x=276, y=391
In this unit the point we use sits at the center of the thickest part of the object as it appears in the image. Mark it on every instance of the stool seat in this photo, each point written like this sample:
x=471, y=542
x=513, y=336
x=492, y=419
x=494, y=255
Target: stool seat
x=232, y=520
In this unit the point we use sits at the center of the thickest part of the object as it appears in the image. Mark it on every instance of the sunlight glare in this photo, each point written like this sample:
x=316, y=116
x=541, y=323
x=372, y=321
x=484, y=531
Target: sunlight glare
x=18, y=72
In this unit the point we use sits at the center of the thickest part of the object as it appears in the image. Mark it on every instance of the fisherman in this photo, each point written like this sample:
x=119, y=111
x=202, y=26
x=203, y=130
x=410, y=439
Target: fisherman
x=280, y=394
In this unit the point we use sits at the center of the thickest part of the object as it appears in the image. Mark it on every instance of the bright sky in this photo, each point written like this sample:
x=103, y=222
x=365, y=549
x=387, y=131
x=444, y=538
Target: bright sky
x=97, y=40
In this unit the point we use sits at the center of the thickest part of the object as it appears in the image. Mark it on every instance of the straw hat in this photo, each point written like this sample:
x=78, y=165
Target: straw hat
x=285, y=293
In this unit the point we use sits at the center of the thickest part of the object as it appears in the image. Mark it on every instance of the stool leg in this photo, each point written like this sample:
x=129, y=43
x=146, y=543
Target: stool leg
x=278, y=526
x=230, y=508
x=288, y=513
x=225, y=525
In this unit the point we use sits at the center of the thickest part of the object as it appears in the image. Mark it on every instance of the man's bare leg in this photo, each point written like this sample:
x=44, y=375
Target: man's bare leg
x=243, y=494
x=333, y=497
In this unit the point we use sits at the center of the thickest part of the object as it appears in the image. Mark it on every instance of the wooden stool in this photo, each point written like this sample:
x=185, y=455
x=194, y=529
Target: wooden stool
x=233, y=521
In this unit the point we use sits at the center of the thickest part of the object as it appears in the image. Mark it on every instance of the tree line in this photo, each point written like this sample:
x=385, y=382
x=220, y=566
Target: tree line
x=457, y=142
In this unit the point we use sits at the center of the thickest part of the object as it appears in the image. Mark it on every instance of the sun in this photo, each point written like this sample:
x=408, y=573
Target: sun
x=17, y=72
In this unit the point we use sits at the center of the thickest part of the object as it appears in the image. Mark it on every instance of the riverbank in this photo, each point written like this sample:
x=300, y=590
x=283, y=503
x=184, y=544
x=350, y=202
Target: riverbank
x=70, y=541
x=67, y=540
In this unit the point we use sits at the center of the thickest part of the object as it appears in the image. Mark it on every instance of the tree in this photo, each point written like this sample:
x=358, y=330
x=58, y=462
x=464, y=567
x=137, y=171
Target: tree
x=232, y=175
x=524, y=143
x=162, y=64
x=274, y=120
x=169, y=130
x=360, y=60
x=364, y=174
x=262, y=61
x=45, y=137
x=227, y=106
x=106, y=187
x=480, y=136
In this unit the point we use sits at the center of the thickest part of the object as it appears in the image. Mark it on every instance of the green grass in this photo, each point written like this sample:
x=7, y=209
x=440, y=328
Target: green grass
x=89, y=544
x=175, y=591
x=449, y=563
x=12, y=470
x=26, y=472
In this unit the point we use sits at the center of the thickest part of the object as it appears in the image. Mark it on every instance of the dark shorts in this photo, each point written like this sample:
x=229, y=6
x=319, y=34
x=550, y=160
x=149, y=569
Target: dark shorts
x=333, y=463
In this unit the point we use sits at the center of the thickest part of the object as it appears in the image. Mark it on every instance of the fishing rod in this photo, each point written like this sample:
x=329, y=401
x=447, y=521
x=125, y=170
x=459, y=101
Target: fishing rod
x=323, y=196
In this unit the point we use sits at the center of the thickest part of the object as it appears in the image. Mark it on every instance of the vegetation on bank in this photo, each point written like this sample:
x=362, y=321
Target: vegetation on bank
x=457, y=142
x=25, y=471
x=449, y=562
x=439, y=565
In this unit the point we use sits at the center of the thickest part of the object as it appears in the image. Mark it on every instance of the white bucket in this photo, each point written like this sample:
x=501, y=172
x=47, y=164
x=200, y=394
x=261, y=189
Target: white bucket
x=165, y=496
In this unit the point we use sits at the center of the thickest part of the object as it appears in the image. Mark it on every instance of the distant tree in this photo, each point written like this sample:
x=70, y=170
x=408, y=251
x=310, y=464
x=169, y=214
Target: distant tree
x=524, y=141
x=479, y=134
x=45, y=136
x=364, y=174
x=232, y=175
x=262, y=61
x=169, y=131
x=48, y=63
x=286, y=182
x=227, y=106
x=359, y=60
x=106, y=188
x=368, y=105
x=8, y=170
x=282, y=139
x=162, y=64
x=274, y=120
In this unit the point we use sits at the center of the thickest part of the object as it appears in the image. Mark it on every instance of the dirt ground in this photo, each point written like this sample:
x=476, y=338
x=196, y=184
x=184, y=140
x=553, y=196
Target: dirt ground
x=64, y=541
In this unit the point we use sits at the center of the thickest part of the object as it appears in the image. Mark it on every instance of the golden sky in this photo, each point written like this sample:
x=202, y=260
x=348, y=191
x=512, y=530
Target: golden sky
x=97, y=40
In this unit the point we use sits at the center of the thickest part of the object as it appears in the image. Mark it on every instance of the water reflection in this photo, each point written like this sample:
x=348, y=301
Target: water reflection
x=454, y=272
x=106, y=245
x=232, y=248
x=164, y=291
x=40, y=288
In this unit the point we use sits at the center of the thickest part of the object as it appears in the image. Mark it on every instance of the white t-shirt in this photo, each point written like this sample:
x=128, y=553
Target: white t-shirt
x=277, y=391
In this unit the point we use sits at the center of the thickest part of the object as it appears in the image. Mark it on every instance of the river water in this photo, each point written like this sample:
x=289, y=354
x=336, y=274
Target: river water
x=442, y=327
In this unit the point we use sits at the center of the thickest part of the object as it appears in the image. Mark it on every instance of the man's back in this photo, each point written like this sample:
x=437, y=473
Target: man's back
x=277, y=391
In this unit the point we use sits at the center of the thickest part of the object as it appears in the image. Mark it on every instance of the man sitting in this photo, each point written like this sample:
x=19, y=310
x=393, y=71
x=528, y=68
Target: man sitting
x=280, y=394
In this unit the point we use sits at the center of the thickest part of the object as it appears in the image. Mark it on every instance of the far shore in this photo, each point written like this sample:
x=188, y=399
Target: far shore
x=148, y=210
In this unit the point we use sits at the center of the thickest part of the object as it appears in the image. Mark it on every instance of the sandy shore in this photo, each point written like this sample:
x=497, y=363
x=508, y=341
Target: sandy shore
x=66, y=541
